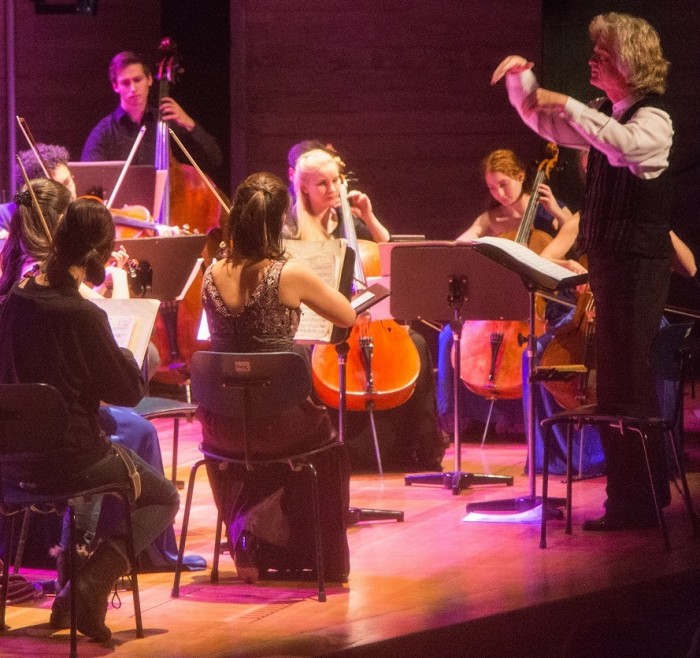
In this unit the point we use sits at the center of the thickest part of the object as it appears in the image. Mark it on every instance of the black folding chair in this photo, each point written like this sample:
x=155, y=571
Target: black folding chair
x=33, y=427
x=667, y=361
x=247, y=388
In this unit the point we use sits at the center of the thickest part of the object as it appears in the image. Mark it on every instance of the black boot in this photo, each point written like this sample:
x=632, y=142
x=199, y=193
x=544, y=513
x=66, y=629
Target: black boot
x=60, y=611
x=94, y=584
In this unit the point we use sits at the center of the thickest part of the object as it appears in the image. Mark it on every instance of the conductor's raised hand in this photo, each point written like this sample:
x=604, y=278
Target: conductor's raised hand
x=511, y=64
x=543, y=100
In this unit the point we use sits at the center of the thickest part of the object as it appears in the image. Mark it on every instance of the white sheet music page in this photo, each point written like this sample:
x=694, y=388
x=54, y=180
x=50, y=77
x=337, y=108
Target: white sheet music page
x=325, y=258
x=122, y=328
x=529, y=258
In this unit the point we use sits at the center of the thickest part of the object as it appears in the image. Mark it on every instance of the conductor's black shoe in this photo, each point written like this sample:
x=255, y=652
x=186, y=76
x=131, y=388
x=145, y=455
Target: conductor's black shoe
x=608, y=523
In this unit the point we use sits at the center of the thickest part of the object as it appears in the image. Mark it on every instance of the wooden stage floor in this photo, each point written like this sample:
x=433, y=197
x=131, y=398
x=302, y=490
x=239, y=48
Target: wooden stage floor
x=430, y=586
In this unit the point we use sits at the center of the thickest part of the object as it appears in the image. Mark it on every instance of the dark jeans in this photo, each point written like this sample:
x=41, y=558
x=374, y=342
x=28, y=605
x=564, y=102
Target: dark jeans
x=151, y=513
x=630, y=292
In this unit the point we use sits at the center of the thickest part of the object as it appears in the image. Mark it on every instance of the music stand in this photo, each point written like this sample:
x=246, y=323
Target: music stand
x=166, y=269
x=452, y=282
x=536, y=274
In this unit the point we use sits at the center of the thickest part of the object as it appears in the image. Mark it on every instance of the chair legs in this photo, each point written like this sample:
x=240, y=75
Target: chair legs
x=643, y=437
x=72, y=561
x=545, y=488
x=6, y=573
x=685, y=490
x=318, y=536
x=318, y=533
x=24, y=531
x=175, y=592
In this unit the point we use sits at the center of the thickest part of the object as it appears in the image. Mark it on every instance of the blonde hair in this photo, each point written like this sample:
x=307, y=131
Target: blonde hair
x=307, y=227
x=636, y=50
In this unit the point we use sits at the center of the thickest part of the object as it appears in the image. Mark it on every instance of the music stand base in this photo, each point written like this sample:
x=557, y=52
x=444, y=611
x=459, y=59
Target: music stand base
x=518, y=505
x=457, y=480
x=359, y=514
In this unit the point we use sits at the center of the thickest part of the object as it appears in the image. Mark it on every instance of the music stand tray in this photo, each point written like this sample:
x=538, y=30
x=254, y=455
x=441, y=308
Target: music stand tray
x=452, y=282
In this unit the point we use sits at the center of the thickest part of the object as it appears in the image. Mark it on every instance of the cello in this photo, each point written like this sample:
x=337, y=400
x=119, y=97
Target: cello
x=382, y=362
x=571, y=352
x=492, y=350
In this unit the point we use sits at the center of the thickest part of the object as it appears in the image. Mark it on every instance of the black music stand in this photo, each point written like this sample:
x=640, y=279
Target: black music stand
x=165, y=269
x=452, y=282
x=535, y=274
x=340, y=336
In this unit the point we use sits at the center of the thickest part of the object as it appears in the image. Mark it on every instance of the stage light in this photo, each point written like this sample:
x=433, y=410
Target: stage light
x=84, y=7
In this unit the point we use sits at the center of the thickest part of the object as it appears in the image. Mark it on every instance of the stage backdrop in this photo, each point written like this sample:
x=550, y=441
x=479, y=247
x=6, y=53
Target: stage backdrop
x=400, y=87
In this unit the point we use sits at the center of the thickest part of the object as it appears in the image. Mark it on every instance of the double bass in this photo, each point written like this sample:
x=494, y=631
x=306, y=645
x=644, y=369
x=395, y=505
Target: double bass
x=382, y=362
x=189, y=203
x=492, y=350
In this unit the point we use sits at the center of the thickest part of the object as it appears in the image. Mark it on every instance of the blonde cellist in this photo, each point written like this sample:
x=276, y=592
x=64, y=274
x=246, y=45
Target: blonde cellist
x=408, y=435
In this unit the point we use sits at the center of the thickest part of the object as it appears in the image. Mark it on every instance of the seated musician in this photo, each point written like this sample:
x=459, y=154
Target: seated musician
x=509, y=187
x=24, y=252
x=55, y=159
x=408, y=435
x=113, y=137
x=50, y=334
x=252, y=298
x=504, y=175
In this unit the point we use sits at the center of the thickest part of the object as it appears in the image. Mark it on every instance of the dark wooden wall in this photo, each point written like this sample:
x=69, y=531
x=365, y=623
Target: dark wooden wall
x=399, y=87
x=61, y=62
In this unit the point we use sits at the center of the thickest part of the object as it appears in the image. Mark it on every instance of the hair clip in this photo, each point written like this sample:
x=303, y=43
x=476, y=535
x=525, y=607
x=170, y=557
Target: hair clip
x=23, y=198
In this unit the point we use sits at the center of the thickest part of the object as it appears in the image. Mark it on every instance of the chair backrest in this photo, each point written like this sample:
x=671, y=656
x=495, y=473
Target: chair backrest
x=34, y=420
x=667, y=351
x=258, y=384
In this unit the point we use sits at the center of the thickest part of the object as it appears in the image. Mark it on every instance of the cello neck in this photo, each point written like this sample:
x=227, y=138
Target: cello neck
x=543, y=171
x=528, y=219
x=360, y=281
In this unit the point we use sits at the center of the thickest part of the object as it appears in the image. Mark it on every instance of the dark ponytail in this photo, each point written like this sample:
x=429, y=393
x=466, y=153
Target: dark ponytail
x=27, y=239
x=85, y=238
x=255, y=221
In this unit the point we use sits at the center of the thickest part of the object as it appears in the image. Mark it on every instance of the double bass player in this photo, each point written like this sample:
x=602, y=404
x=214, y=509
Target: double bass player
x=113, y=136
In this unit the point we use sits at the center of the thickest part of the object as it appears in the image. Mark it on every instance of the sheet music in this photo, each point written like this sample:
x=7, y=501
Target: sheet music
x=122, y=328
x=548, y=273
x=132, y=322
x=528, y=257
x=325, y=258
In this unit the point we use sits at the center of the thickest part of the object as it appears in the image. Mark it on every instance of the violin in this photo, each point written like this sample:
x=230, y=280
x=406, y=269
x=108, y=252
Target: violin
x=382, y=363
x=492, y=350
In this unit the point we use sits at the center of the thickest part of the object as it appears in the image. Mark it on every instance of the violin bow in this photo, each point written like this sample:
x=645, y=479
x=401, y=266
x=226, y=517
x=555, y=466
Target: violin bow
x=35, y=201
x=202, y=175
x=24, y=127
x=125, y=168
